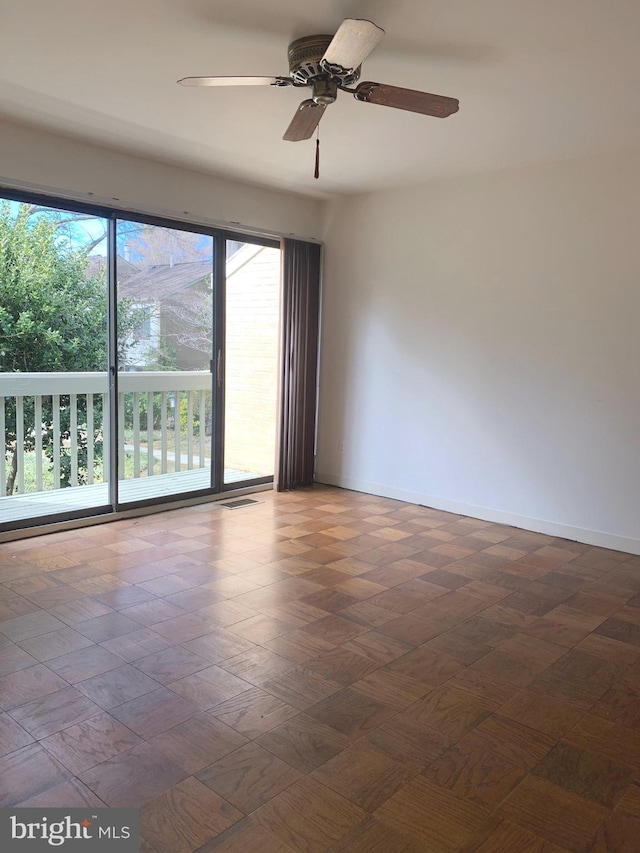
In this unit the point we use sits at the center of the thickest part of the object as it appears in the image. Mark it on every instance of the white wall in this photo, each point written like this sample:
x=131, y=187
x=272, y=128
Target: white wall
x=33, y=159
x=481, y=348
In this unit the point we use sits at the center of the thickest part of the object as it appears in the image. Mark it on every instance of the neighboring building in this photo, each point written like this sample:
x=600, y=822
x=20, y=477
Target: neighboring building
x=177, y=310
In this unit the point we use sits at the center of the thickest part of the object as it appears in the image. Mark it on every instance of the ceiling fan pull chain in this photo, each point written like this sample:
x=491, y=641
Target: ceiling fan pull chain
x=316, y=173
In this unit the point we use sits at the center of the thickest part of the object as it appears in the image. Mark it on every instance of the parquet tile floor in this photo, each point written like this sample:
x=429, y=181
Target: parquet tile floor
x=325, y=671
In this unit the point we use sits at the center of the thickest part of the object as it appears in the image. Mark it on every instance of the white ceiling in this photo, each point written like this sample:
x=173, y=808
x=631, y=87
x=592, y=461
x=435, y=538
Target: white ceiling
x=537, y=80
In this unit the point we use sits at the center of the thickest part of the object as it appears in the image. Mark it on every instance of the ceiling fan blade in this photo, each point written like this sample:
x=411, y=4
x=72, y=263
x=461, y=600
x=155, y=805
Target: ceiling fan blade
x=353, y=42
x=236, y=81
x=304, y=122
x=406, y=99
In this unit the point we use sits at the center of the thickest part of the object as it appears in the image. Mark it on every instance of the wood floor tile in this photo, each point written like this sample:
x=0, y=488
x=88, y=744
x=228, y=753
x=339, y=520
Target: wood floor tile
x=90, y=742
x=134, y=777
x=31, y=625
x=83, y=664
x=107, y=627
x=392, y=689
x=298, y=647
x=334, y=629
x=198, y=742
x=257, y=665
x=484, y=630
x=591, y=776
x=543, y=712
x=117, y=686
x=554, y=813
x=219, y=645
x=618, y=834
x=614, y=628
x=564, y=626
x=185, y=817
x=71, y=794
x=407, y=741
x=426, y=665
x=351, y=712
x=31, y=771
x=55, y=711
x=432, y=816
x=13, y=658
x=609, y=739
x=579, y=678
x=254, y=712
x=371, y=836
x=181, y=629
x=477, y=770
x=125, y=597
x=526, y=746
x=501, y=836
x=23, y=686
x=414, y=630
x=304, y=743
x=151, y=612
x=171, y=663
x=300, y=687
x=249, y=777
x=12, y=735
x=309, y=817
x=209, y=687
x=450, y=711
x=57, y=643
x=14, y=605
x=80, y=610
x=620, y=704
x=138, y=644
x=377, y=647
x=341, y=666
x=154, y=712
x=244, y=836
x=364, y=776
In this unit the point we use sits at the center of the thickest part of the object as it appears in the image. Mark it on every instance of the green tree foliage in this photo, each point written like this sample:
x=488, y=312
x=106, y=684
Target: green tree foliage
x=53, y=318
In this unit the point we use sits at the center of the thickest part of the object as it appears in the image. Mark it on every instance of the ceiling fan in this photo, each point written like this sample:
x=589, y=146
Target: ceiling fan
x=326, y=64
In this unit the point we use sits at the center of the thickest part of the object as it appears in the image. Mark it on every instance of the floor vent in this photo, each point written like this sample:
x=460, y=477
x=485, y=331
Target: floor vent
x=240, y=503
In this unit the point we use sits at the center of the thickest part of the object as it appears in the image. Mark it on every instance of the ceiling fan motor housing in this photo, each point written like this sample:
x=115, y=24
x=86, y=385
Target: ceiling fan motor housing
x=305, y=63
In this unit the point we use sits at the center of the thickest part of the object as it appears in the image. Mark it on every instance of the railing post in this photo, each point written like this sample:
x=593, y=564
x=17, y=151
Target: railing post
x=136, y=434
x=20, y=442
x=73, y=437
x=55, y=408
x=150, y=433
x=176, y=430
x=163, y=433
x=121, y=436
x=201, y=430
x=106, y=439
x=37, y=428
x=90, y=440
x=190, y=429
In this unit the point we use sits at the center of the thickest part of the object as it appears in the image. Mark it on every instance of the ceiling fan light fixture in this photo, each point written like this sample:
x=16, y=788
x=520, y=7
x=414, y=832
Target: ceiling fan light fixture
x=325, y=91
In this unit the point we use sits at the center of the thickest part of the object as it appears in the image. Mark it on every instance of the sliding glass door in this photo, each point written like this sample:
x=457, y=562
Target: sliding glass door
x=252, y=323
x=138, y=361
x=165, y=287
x=53, y=362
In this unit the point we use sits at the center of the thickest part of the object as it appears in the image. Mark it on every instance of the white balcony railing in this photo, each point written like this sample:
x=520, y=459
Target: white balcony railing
x=59, y=418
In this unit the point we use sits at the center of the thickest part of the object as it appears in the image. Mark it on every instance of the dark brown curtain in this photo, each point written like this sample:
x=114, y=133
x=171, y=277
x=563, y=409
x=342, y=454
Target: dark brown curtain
x=301, y=307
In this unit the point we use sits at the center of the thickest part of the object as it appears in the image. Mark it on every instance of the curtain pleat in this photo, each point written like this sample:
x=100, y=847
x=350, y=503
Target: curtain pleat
x=301, y=316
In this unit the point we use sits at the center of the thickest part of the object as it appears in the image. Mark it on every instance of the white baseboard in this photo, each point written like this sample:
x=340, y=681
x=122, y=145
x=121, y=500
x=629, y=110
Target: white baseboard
x=537, y=525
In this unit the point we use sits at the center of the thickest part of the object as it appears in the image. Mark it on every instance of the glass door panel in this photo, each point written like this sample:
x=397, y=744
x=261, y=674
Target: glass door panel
x=165, y=328
x=252, y=322
x=53, y=363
